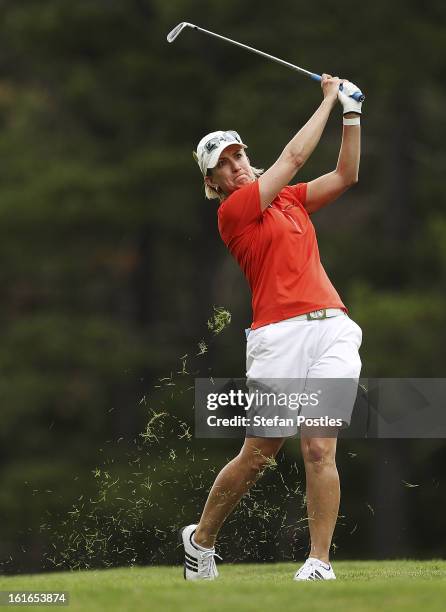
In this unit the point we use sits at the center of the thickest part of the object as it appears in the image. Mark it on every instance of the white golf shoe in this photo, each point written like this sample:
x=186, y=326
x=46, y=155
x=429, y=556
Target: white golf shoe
x=198, y=564
x=313, y=569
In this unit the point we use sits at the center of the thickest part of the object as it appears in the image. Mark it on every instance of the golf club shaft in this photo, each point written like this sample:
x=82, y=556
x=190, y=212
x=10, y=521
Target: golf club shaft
x=358, y=95
x=312, y=75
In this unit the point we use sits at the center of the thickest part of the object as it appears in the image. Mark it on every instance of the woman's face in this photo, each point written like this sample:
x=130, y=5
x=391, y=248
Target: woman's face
x=232, y=171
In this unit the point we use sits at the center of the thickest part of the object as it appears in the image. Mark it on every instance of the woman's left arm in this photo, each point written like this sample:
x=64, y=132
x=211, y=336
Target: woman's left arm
x=329, y=187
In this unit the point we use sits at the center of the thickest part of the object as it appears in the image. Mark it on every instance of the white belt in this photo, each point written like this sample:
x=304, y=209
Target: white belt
x=317, y=315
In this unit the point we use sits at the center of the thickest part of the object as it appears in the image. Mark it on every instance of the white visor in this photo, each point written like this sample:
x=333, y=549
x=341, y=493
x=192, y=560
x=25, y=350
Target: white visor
x=211, y=146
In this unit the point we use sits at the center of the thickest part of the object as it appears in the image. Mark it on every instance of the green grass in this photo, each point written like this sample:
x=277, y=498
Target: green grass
x=361, y=585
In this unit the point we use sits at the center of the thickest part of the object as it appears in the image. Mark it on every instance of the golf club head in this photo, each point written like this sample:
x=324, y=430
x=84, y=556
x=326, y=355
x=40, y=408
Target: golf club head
x=177, y=30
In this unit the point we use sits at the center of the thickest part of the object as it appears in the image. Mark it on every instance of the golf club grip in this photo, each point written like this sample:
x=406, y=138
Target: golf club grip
x=358, y=95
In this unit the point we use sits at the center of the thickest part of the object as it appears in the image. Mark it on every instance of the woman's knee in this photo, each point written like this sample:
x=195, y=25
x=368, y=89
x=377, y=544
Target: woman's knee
x=260, y=453
x=319, y=451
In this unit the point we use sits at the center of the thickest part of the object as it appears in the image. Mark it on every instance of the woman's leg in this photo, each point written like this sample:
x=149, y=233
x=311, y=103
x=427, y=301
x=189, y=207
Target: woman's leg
x=234, y=480
x=323, y=492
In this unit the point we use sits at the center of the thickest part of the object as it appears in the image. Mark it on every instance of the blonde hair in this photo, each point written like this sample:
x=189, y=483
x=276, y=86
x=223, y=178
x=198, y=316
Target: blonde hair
x=213, y=194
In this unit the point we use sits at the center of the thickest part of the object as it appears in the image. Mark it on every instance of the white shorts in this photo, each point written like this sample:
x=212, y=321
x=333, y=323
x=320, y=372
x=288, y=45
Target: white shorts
x=291, y=354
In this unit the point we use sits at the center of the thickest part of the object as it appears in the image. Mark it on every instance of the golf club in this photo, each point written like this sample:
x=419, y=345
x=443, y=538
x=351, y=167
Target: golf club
x=173, y=34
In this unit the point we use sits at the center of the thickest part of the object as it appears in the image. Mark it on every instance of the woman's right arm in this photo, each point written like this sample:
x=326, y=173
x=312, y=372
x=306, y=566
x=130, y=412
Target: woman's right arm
x=299, y=149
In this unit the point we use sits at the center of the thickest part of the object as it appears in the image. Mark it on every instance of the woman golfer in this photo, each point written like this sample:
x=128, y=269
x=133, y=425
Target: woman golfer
x=300, y=328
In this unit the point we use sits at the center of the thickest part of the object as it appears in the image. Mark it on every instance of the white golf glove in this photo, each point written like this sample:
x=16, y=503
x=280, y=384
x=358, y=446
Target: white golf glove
x=349, y=105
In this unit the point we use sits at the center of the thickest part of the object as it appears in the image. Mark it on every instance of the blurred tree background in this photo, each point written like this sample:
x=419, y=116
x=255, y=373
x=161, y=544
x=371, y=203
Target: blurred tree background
x=112, y=262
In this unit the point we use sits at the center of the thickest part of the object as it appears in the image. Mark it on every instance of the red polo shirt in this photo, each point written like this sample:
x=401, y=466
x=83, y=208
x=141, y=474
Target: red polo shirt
x=278, y=253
